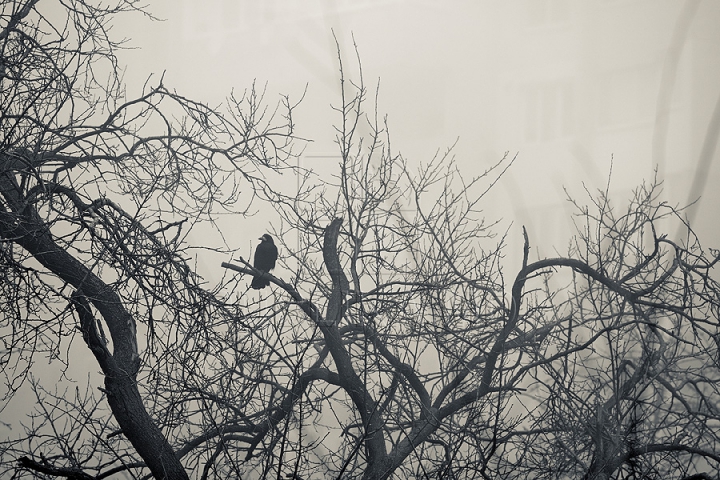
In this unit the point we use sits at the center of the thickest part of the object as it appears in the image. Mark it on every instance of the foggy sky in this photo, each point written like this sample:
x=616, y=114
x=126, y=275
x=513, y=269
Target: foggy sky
x=567, y=86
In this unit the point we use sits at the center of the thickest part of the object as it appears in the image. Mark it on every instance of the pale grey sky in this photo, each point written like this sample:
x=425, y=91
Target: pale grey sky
x=564, y=84
x=567, y=85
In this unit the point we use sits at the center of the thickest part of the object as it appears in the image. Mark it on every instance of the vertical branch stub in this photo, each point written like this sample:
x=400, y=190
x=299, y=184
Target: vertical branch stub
x=340, y=287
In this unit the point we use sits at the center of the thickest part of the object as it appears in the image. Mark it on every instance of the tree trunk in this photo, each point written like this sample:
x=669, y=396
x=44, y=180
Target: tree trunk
x=24, y=227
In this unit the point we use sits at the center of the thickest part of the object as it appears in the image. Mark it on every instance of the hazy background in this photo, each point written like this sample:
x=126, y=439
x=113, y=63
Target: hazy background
x=567, y=85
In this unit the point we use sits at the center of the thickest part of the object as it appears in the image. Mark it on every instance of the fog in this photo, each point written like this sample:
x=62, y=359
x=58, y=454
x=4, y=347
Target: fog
x=571, y=88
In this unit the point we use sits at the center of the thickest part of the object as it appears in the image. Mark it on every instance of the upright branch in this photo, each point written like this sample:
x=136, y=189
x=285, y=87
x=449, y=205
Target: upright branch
x=340, y=286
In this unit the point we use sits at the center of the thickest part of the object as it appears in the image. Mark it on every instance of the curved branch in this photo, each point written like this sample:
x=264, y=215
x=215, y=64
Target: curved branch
x=70, y=473
x=406, y=370
x=286, y=406
x=332, y=263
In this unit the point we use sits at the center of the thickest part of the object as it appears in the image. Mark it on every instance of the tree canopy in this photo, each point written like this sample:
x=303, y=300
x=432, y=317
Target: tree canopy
x=393, y=342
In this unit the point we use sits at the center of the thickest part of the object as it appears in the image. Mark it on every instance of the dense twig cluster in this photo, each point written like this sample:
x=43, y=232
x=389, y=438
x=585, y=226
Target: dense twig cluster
x=98, y=192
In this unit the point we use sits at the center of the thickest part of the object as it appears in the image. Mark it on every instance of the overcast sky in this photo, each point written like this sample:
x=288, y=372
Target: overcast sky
x=567, y=86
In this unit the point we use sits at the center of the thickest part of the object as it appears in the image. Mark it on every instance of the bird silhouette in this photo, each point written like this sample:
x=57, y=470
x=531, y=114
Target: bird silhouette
x=266, y=254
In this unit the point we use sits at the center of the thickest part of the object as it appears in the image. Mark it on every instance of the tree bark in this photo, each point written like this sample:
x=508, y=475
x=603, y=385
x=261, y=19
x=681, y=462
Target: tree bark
x=24, y=227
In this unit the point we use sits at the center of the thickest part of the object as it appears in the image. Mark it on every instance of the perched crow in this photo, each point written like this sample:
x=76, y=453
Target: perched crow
x=265, y=255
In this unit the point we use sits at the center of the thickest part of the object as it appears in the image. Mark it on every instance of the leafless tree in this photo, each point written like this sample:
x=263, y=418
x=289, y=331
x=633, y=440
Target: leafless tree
x=432, y=362
x=391, y=343
x=98, y=191
x=626, y=385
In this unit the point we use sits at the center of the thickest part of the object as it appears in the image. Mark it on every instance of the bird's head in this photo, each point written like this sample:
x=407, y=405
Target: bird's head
x=266, y=238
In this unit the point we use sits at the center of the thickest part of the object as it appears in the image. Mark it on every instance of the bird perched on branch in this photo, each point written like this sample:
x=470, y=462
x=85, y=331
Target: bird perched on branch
x=265, y=255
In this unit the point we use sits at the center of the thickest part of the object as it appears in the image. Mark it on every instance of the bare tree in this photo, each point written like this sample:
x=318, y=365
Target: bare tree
x=97, y=193
x=626, y=384
x=429, y=361
x=396, y=346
